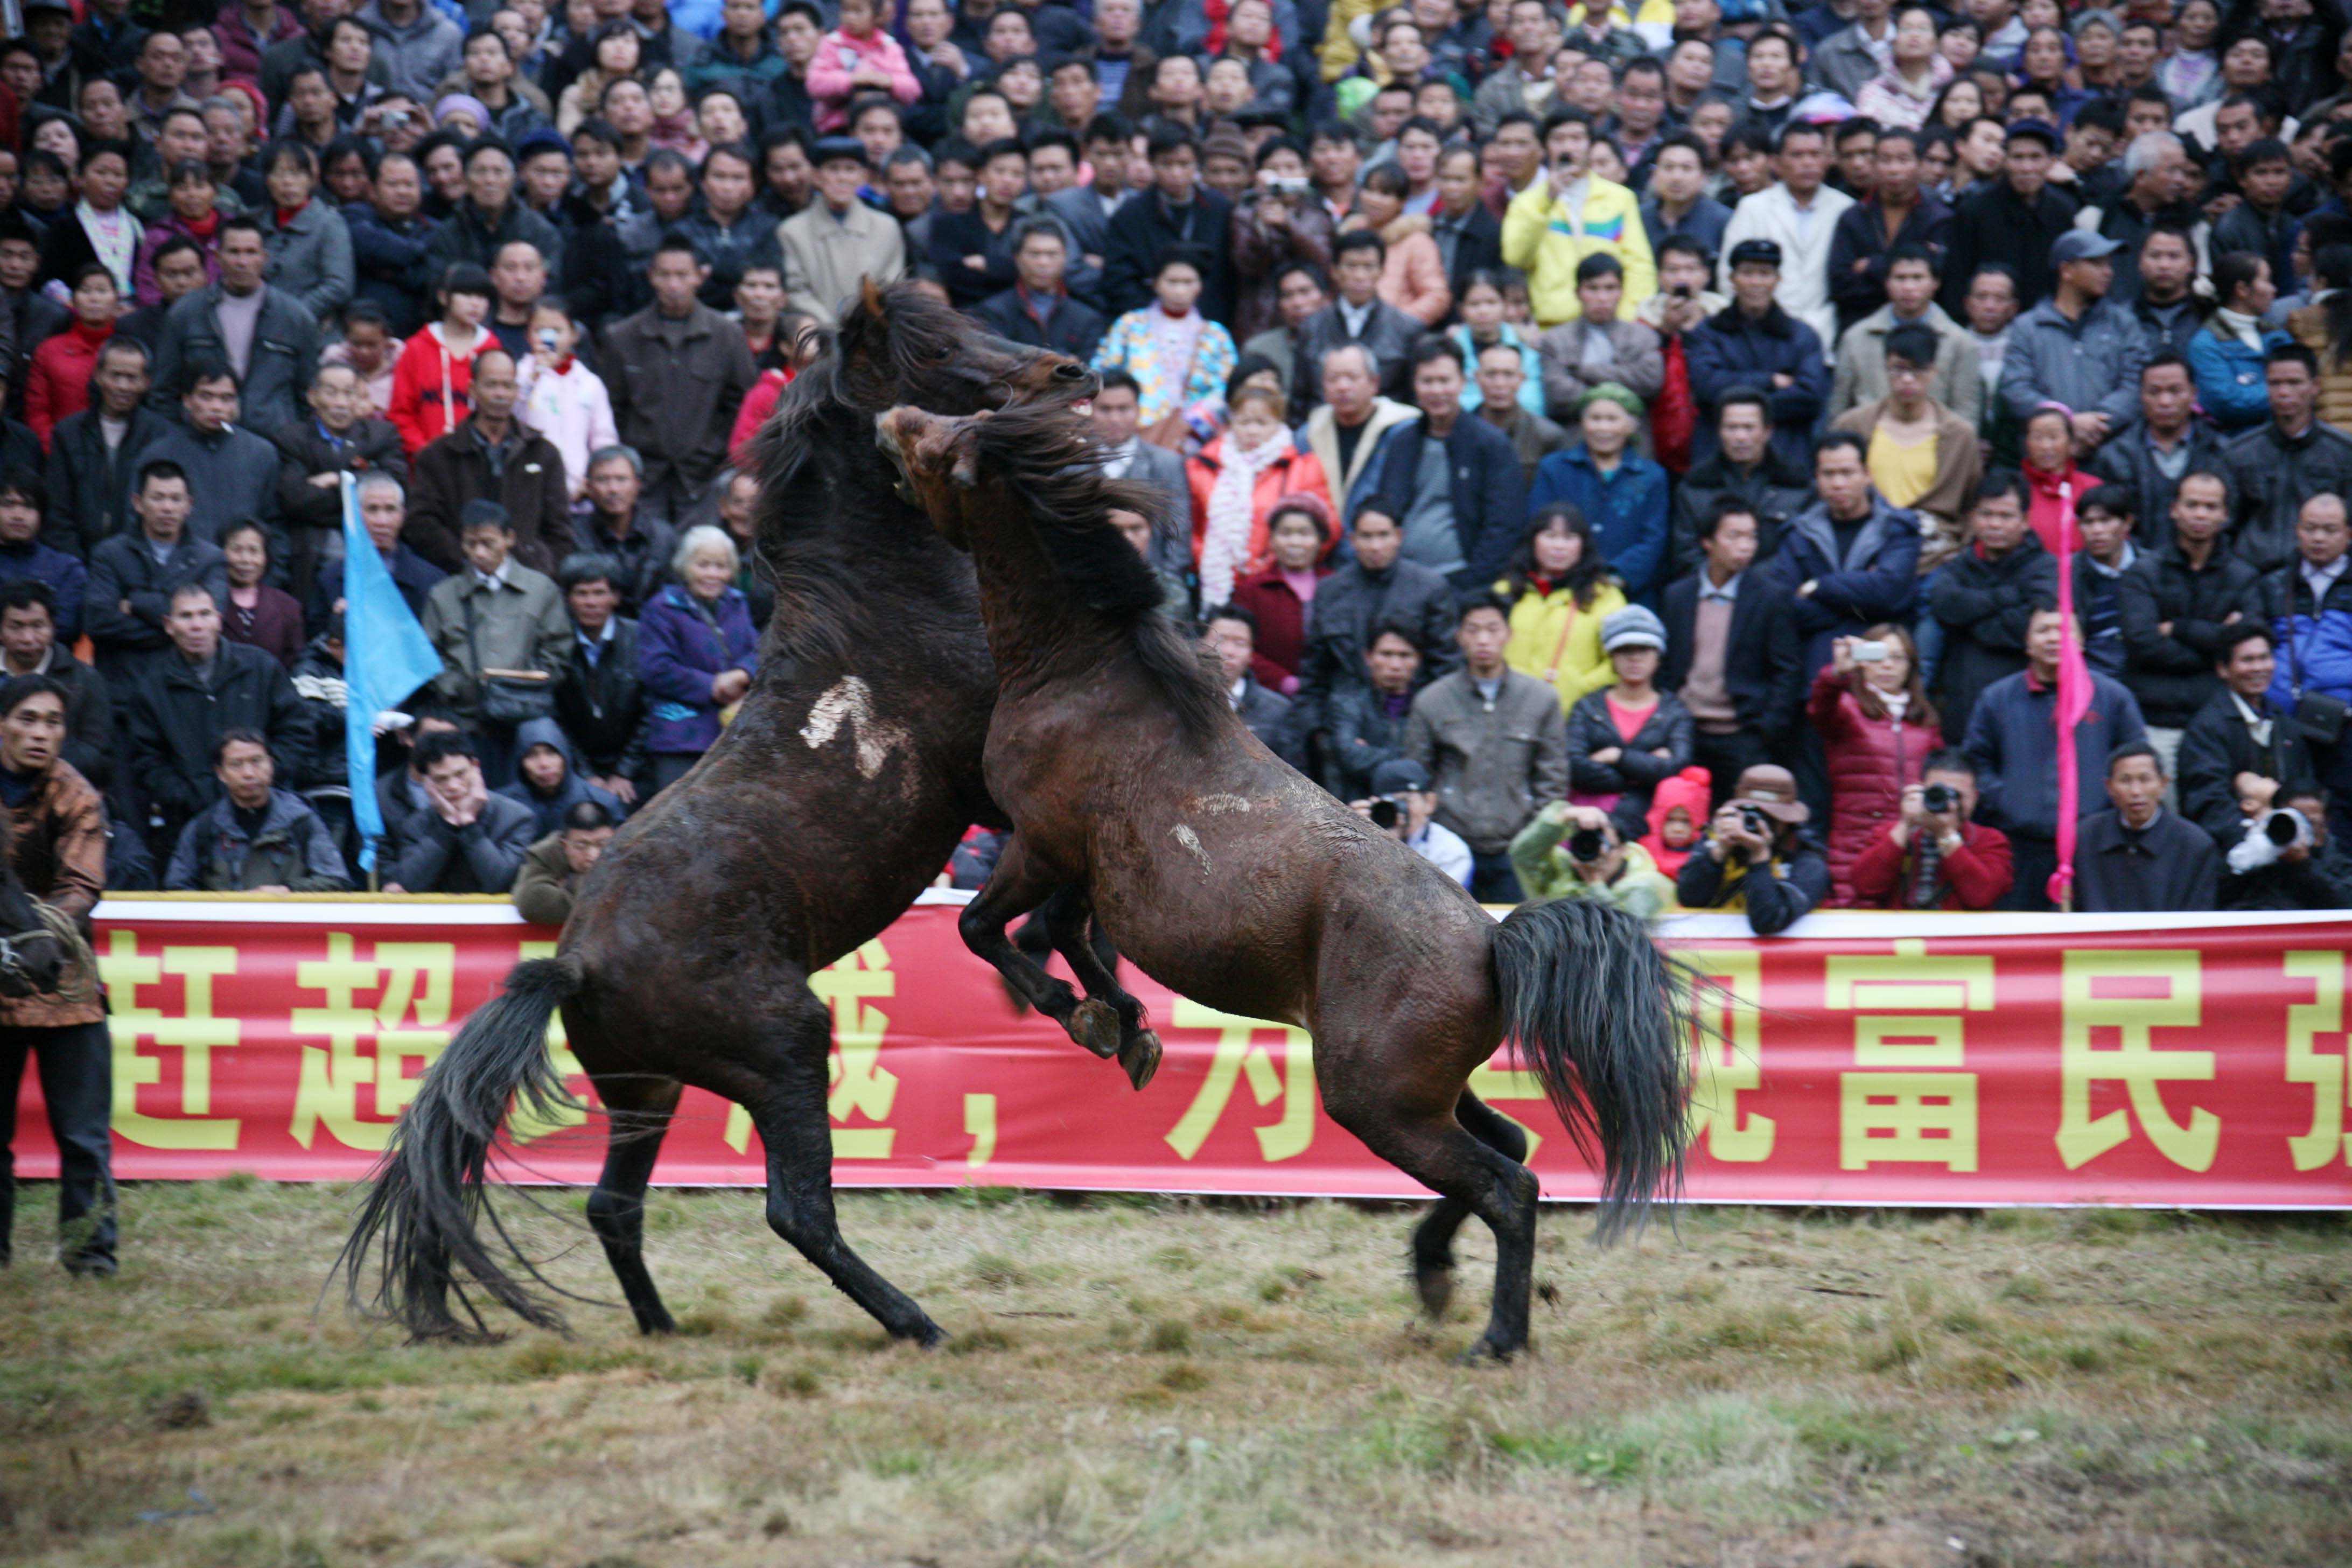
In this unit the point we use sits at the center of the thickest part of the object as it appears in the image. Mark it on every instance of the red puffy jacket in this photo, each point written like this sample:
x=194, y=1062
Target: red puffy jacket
x=1870, y=763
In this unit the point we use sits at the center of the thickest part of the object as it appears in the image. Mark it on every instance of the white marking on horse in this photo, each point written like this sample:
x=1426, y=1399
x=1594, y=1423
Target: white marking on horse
x=1221, y=804
x=849, y=700
x=1191, y=843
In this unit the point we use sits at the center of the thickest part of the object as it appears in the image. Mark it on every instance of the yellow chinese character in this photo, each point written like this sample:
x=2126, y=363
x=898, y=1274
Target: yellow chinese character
x=195, y=1032
x=1909, y=1027
x=1239, y=1056
x=415, y=980
x=2326, y=1142
x=856, y=1079
x=1726, y=993
x=1925, y=1117
x=980, y=1122
x=2082, y=1137
x=522, y=1126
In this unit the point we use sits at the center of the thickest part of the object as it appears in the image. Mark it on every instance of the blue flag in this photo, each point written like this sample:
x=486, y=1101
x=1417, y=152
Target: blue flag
x=386, y=657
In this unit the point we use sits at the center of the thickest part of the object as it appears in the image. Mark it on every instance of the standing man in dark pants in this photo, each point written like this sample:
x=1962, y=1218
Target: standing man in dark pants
x=58, y=851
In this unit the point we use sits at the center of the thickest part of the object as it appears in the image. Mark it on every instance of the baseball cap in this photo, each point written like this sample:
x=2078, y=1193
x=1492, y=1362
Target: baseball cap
x=1767, y=251
x=1399, y=776
x=2082, y=245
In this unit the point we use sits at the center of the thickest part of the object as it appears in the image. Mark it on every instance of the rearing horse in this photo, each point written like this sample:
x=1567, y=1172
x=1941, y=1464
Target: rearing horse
x=834, y=798
x=1228, y=878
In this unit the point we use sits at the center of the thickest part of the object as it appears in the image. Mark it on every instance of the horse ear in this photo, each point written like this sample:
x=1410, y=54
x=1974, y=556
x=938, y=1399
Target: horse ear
x=873, y=292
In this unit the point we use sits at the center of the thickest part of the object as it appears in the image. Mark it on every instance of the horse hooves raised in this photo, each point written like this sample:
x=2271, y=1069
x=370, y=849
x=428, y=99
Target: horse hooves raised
x=1486, y=1352
x=1095, y=1025
x=1140, y=1057
x=1436, y=1287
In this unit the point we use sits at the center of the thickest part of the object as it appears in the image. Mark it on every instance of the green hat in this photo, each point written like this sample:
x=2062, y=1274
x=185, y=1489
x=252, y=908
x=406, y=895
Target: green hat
x=1612, y=392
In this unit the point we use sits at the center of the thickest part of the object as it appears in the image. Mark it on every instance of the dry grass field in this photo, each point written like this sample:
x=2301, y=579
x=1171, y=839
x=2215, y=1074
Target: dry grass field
x=1138, y=1381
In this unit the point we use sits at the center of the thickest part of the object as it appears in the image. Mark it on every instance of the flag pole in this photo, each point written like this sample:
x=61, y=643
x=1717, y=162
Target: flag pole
x=2073, y=700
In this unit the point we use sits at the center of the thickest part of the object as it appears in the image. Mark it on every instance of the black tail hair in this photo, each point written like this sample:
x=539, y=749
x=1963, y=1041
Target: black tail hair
x=1600, y=1019
x=429, y=1193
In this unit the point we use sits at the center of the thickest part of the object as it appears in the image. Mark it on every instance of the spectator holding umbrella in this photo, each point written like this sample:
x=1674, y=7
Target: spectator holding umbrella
x=696, y=652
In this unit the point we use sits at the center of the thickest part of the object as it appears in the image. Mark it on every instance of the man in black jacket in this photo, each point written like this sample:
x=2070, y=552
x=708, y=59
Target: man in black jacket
x=2292, y=455
x=89, y=479
x=1231, y=633
x=184, y=702
x=490, y=217
x=1747, y=466
x=1176, y=210
x=28, y=645
x=2165, y=444
x=1733, y=656
x=277, y=355
x=314, y=454
x=1469, y=538
x=1359, y=316
x=1985, y=597
x=598, y=700
x=467, y=839
x=2314, y=875
x=2180, y=606
x=2015, y=220
x=2136, y=857
x=2241, y=755
x=1378, y=588
x=1038, y=309
x=131, y=586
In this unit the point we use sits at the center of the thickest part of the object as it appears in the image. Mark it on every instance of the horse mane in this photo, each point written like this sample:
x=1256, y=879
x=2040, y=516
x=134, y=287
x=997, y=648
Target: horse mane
x=1052, y=465
x=815, y=460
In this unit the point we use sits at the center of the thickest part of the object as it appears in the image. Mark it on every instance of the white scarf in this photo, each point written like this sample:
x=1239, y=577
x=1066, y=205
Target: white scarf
x=2246, y=329
x=114, y=238
x=1232, y=509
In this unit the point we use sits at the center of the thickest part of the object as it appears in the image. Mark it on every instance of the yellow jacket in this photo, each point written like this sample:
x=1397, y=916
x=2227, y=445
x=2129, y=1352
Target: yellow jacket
x=1546, y=628
x=1338, y=52
x=1544, y=240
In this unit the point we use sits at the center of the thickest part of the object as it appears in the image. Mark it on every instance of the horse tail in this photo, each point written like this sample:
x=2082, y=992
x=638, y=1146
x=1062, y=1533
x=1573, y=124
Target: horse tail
x=1599, y=1018
x=429, y=1193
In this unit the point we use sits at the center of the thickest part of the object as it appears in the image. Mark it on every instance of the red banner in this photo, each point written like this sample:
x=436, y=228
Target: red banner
x=1926, y=1059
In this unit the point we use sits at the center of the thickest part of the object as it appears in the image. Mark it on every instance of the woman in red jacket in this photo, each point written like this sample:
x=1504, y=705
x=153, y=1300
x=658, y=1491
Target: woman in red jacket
x=1300, y=533
x=1876, y=726
x=2050, y=470
x=57, y=384
x=431, y=383
x=1237, y=480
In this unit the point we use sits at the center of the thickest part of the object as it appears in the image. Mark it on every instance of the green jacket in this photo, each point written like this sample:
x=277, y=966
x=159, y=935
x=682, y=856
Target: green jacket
x=1546, y=872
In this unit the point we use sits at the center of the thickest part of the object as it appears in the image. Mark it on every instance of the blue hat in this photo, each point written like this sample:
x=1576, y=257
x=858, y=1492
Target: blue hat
x=1632, y=626
x=1400, y=775
x=546, y=139
x=2082, y=245
x=2040, y=130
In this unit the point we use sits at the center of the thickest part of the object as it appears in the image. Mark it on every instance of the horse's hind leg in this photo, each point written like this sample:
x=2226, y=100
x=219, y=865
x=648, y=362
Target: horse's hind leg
x=640, y=1105
x=1070, y=914
x=1441, y=1153
x=789, y=1108
x=1012, y=890
x=1433, y=1239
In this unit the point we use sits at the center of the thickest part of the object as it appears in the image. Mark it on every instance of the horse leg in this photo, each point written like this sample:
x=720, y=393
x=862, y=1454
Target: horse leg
x=1442, y=1154
x=1433, y=1239
x=1012, y=890
x=1071, y=914
x=639, y=1105
x=789, y=1109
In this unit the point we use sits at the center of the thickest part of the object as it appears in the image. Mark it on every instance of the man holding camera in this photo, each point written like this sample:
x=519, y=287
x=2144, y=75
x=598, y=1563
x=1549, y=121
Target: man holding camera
x=1755, y=859
x=2136, y=857
x=2287, y=860
x=2242, y=754
x=1934, y=858
x=1402, y=803
x=1572, y=852
x=2308, y=603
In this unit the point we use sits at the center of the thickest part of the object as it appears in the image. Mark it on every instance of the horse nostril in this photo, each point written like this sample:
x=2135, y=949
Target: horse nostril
x=1068, y=371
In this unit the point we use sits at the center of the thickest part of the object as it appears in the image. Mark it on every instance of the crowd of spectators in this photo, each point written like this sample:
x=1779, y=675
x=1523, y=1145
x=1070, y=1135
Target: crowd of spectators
x=1624, y=447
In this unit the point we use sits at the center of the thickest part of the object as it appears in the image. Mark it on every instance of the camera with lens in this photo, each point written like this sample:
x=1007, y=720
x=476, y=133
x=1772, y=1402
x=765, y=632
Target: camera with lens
x=1755, y=821
x=2268, y=837
x=1386, y=815
x=1586, y=845
x=1938, y=799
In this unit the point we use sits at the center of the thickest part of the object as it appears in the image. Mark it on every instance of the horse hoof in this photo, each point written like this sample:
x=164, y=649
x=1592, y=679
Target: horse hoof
x=927, y=1336
x=1436, y=1287
x=1095, y=1026
x=1140, y=1057
x=1485, y=1353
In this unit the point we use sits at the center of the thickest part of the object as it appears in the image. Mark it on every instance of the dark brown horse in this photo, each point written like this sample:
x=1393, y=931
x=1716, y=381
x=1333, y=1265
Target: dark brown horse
x=834, y=798
x=1228, y=878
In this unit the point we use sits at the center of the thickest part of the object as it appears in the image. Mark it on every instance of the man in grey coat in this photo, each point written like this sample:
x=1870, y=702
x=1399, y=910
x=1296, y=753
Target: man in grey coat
x=678, y=371
x=263, y=333
x=497, y=614
x=467, y=839
x=2077, y=348
x=232, y=472
x=1495, y=742
x=418, y=45
x=1117, y=410
x=1625, y=352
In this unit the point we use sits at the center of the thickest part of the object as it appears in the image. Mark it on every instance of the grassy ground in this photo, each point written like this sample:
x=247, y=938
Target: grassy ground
x=1167, y=1382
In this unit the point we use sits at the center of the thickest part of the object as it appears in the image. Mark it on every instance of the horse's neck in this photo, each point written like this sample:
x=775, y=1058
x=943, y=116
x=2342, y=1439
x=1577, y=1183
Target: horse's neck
x=1035, y=627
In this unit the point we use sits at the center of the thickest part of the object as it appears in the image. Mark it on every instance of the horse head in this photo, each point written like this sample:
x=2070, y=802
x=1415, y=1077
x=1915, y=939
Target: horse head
x=901, y=345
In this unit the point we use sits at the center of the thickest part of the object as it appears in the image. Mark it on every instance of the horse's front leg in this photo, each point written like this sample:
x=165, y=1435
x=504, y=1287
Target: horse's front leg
x=1017, y=888
x=1067, y=916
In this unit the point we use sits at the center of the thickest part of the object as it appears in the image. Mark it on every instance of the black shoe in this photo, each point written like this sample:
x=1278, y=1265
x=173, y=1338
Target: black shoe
x=92, y=1268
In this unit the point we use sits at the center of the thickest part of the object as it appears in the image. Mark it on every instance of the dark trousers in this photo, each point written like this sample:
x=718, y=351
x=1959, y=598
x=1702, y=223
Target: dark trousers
x=1492, y=881
x=1724, y=758
x=671, y=766
x=2035, y=859
x=77, y=1067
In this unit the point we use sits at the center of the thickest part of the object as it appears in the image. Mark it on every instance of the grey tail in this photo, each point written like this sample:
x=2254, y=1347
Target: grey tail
x=1600, y=1019
x=429, y=1194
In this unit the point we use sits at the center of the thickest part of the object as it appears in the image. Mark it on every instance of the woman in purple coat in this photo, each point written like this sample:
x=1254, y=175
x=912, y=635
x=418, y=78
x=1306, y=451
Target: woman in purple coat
x=696, y=652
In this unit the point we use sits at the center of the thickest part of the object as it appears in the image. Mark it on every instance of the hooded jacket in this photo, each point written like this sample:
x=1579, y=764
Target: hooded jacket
x=292, y=850
x=1688, y=792
x=548, y=809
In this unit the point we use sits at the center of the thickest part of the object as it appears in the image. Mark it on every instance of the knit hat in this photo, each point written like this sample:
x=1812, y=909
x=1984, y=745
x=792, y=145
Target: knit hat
x=1632, y=627
x=1225, y=140
x=1612, y=392
x=457, y=103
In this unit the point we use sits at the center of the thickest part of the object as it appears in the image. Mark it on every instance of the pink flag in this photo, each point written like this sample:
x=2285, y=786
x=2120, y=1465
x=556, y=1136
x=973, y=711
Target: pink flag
x=2073, y=702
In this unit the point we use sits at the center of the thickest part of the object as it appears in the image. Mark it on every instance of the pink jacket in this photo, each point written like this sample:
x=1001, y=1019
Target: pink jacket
x=838, y=57
x=572, y=410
